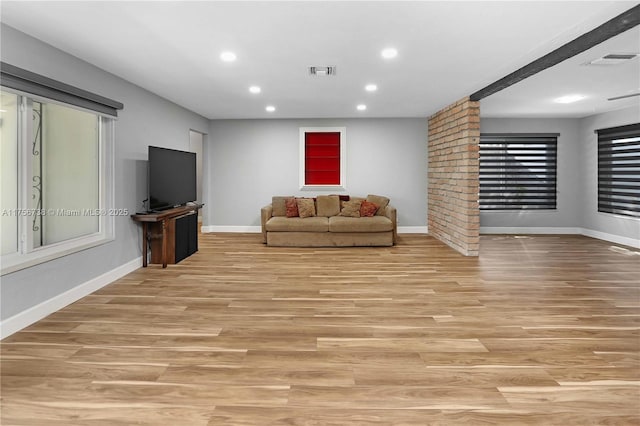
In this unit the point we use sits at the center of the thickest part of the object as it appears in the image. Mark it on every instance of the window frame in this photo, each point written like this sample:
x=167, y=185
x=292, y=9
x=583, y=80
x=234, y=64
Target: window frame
x=342, y=186
x=605, y=141
x=502, y=203
x=26, y=255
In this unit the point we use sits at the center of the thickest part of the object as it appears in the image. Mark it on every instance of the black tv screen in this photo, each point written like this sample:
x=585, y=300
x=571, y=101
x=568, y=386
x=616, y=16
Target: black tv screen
x=172, y=178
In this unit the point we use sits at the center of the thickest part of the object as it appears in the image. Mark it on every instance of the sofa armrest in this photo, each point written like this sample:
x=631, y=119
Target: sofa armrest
x=391, y=213
x=265, y=214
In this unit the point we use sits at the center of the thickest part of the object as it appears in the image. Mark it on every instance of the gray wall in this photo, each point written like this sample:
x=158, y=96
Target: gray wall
x=569, y=206
x=249, y=161
x=591, y=218
x=146, y=120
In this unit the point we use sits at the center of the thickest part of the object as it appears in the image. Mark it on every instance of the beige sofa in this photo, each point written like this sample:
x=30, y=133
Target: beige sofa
x=332, y=225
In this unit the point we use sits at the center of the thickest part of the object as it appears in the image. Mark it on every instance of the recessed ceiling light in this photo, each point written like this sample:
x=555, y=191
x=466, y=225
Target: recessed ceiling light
x=270, y=108
x=228, y=56
x=370, y=87
x=361, y=107
x=389, y=53
x=255, y=89
x=569, y=99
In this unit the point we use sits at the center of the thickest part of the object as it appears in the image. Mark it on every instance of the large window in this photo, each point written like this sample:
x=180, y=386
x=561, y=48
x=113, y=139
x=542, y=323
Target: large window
x=322, y=157
x=518, y=171
x=619, y=170
x=57, y=171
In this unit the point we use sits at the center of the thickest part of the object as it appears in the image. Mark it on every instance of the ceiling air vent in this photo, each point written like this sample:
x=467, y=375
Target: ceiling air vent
x=322, y=71
x=613, y=59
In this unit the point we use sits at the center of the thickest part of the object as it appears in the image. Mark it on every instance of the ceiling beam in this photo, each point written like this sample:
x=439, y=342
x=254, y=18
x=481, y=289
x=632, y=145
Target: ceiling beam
x=611, y=28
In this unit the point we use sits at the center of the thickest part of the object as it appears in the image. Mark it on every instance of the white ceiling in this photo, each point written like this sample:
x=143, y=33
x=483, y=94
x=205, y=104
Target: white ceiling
x=534, y=97
x=447, y=50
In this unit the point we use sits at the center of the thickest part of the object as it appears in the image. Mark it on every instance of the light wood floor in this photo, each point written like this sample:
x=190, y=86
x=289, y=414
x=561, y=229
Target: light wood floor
x=539, y=330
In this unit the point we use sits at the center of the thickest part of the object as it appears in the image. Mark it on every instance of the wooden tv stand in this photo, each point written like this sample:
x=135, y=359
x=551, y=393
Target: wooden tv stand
x=170, y=233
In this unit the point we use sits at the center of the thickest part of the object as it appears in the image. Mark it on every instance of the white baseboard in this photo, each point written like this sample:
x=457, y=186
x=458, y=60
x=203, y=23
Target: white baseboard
x=36, y=313
x=631, y=242
x=528, y=230
x=216, y=228
x=413, y=229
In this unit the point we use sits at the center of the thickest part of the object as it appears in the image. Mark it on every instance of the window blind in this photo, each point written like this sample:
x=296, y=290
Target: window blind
x=518, y=171
x=619, y=170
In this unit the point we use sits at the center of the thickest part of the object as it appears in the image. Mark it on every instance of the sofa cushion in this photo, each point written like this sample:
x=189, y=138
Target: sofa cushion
x=306, y=207
x=351, y=208
x=292, y=207
x=278, y=204
x=299, y=224
x=368, y=209
x=342, y=200
x=379, y=201
x=360, y=224
x=327, y=205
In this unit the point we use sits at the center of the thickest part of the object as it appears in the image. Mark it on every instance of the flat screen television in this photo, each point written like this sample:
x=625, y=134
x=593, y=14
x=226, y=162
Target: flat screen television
x=172, y=178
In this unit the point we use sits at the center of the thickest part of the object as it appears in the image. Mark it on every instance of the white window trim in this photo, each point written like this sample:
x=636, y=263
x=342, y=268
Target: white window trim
x=27, y=256
x=343, y=159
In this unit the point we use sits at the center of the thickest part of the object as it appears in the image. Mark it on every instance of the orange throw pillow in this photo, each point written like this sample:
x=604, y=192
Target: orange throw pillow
x=368, y=209
x=291, y=207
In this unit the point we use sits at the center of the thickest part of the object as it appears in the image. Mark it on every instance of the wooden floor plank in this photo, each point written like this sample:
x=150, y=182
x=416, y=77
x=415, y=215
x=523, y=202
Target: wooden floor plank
x=538, y=330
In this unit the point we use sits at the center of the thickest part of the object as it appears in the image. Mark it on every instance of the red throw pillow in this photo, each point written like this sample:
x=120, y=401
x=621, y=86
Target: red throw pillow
x=368, y=209
x=292, y=207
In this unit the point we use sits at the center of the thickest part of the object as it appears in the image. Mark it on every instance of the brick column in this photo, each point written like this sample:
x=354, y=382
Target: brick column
x=453, y=181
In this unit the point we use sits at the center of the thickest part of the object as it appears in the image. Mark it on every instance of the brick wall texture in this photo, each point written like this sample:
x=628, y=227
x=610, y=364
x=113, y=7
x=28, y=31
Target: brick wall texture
x=453, y=182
